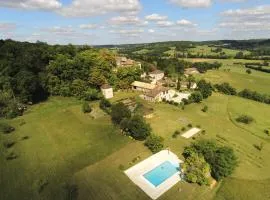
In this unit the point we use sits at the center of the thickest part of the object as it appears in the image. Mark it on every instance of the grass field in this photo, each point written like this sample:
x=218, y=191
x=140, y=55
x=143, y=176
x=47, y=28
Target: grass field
x=66, y=146
x=105, y=179
x=206, y=50
x=62, y=140
x=237, y=76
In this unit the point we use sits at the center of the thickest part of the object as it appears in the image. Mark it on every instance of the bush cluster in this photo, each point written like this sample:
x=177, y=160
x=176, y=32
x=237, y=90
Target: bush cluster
x=222, y=159
x=245, y=119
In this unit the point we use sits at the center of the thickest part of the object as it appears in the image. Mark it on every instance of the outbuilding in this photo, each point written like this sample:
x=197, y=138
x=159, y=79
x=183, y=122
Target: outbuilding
x=107, y=91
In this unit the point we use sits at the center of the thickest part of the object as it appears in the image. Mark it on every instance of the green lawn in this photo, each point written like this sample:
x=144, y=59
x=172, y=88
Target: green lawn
x=62, y=140
x=106, y=180
x=237, y=76
x=67, y=146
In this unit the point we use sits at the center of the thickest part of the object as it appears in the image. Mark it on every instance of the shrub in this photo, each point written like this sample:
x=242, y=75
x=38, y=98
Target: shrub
x=86, y=107
x=185, y=101
x=248, y=71
x=91, y=95
x=225, y=88
x=205, y=109
x=119, y=112
x=6, y=129
x=154, y=143
x=11, y=156
x=25, y=137
x=104, y=104
x=8, y=144
x=244, y=119
x=266, y=132
x=259, y=147
x=121, y=167
x=175, y=134
x=189, y=125
x=138, y=128
x=183, y=129
x=196, y=97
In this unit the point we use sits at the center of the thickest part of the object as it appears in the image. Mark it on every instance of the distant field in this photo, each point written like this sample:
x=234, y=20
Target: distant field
x=62, y=140
x=206, y=50
x=237, y=76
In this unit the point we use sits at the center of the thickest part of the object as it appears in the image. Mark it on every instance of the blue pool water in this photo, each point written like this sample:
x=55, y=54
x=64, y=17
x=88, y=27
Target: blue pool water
x=161, y=173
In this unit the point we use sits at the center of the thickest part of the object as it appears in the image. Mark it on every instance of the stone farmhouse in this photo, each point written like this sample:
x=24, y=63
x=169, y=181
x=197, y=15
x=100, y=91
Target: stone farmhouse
x=156, y=76
x=125, y=62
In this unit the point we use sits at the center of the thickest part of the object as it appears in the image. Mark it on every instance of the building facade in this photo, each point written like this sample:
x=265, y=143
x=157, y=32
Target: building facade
x=107, y=91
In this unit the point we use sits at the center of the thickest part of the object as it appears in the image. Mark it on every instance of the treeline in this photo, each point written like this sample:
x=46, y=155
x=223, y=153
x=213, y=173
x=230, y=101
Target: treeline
x=30, y=72
x=202, y=67
x=260, y=68
x=205, y=89
x=227, y=89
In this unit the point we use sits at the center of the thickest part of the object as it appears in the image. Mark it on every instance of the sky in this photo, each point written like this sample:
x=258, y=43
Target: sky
x=98, y=22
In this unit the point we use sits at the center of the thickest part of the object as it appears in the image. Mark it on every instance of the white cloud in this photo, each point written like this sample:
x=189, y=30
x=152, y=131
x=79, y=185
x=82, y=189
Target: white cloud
x=127, y=20
x=256, y=11
x=151, y=30
x=251, y=19
x=184, y=22
x=32, y=4
x=165, y=23
x=83, y=8
x=128, y=32
x=192, y=3
x=88, y=26
x=156, y=17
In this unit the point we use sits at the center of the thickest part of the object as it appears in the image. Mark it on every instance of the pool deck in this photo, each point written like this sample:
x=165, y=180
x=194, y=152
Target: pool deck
x=136, y=173
x=191, y=132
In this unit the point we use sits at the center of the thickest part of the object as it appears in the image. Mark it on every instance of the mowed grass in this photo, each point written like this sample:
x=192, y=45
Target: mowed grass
x=106, y=179
x=62, y=140
x=236, y=75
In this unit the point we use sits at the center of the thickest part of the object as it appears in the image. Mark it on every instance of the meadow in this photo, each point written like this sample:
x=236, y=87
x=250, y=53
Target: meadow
x=53, y=140
x=105, y=179
x=59, y=147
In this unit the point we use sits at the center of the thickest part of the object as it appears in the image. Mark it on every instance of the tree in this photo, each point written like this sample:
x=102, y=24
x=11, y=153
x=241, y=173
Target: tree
x=245, y=119
x=222, y=163
x=178, y=83
x=196, y=97
x=154, y=143
x=225, y=88
x=196, y=169
x=138, y=128
x=222, y=160
x=104, y=104
x=190, y=79
x=248, y=71
x=86, y=107
x=205, y=88
x=119, y=112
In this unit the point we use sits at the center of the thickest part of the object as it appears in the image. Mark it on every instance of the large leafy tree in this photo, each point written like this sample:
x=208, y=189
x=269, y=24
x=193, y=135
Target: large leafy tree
x=196, y=169
x=222, y=160
x=205, y=88
x=138, y=128
x=119, y=112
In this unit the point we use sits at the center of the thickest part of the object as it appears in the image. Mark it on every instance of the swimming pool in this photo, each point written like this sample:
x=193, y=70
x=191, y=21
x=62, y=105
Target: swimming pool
x=161, y=173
